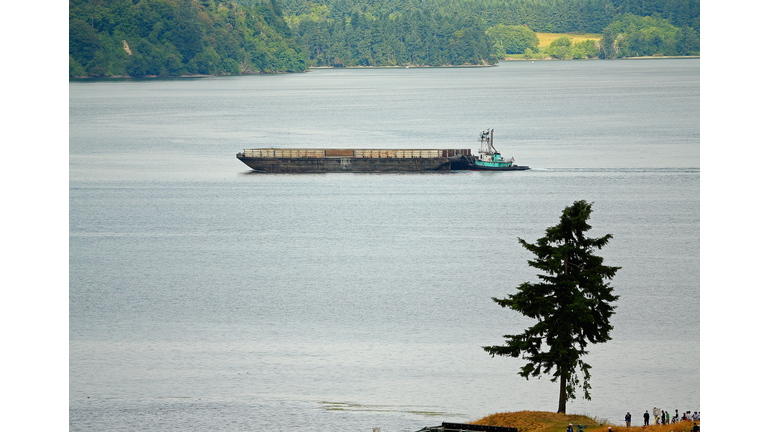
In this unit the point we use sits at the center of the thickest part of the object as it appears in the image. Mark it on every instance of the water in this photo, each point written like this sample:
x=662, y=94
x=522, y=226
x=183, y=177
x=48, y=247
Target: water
x=206, y=297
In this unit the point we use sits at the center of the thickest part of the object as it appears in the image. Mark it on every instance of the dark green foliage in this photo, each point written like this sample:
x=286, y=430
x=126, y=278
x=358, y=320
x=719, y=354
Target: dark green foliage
x=560, y=48
x=630, y=35
x=172, y=37
x=564, y=48
x=680, y=13
x=572, y=304
x=562, y=41
x=179, y=37
x=585, y=49
x=400, y=32
x=84, y=41
x=75, y=69
x=513, y=39
x=608, y=44
x=408, y=38
x=187, y=34
x=561, y=16
x=686, y=41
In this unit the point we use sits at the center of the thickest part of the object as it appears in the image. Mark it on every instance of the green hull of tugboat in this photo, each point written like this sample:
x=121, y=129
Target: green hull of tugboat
x=478, y=166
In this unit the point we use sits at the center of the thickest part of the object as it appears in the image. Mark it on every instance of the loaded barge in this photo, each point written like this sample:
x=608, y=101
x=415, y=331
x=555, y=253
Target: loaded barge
x=355, y=160
x=278, y=160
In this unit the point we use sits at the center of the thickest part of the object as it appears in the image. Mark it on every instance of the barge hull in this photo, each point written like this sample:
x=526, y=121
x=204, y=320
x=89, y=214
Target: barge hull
x=341, y=164
x=492, y=168
x=277, y=160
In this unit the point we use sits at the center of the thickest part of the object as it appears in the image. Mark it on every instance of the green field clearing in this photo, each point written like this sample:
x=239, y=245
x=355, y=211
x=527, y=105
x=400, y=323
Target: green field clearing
x=546, y=38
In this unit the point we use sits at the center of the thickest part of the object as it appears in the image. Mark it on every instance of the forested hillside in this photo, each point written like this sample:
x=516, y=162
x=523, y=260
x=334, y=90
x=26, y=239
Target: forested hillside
x=630, y=35
x=430, y=32
x=179, y=37
x=558, y=16
x=415, y=37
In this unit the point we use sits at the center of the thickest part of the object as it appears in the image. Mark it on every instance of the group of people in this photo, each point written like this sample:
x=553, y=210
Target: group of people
x=663, y=417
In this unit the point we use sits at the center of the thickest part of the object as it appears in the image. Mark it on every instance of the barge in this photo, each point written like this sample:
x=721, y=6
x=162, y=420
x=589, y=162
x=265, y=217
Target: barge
x=355, y=160
x=277, y=160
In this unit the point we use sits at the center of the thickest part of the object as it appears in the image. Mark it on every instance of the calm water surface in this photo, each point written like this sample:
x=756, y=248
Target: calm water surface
x=206, y=297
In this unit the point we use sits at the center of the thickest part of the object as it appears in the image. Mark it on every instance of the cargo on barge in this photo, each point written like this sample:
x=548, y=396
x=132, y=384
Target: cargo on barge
x=356, y=160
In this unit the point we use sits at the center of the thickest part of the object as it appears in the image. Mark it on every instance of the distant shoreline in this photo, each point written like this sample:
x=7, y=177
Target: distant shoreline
x=403, y=66
x=510, y=59
x=619, y=58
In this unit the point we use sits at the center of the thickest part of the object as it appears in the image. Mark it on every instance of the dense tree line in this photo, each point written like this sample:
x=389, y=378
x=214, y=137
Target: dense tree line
x=513, y=39
x=178, y=37
x=557, y=16
x=408, y=38
x=564, y=48
x=630, y=36
x=431, y=32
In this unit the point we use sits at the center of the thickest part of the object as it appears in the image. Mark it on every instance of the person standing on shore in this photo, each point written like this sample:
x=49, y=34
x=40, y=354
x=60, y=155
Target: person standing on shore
x=676, y=418
x=628, y=419
x=655, y=415
x=667, y=413
x=646, y=418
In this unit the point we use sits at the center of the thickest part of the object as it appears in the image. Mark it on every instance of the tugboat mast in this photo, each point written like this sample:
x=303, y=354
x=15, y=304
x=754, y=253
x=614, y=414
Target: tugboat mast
x=490, y=159
x=486, y=144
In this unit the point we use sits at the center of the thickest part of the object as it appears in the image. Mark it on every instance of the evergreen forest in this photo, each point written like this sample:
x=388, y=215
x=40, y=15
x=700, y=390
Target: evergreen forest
x=206, y=37
x=179, y=37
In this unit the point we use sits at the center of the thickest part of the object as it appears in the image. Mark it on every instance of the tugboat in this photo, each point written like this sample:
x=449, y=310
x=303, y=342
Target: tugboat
x=490, y=159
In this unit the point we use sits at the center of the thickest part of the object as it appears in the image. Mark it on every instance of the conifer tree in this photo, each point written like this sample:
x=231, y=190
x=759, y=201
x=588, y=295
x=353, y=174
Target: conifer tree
x=572, y=303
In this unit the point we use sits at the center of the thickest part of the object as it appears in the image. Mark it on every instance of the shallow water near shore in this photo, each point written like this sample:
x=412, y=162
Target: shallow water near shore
x=206, y=297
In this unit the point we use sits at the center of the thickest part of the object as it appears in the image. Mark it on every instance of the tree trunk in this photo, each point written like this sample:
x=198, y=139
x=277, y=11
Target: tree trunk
x=561, y=404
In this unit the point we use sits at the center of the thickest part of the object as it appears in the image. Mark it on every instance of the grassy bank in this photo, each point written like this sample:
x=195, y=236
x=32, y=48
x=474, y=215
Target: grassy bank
x=542, y=421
